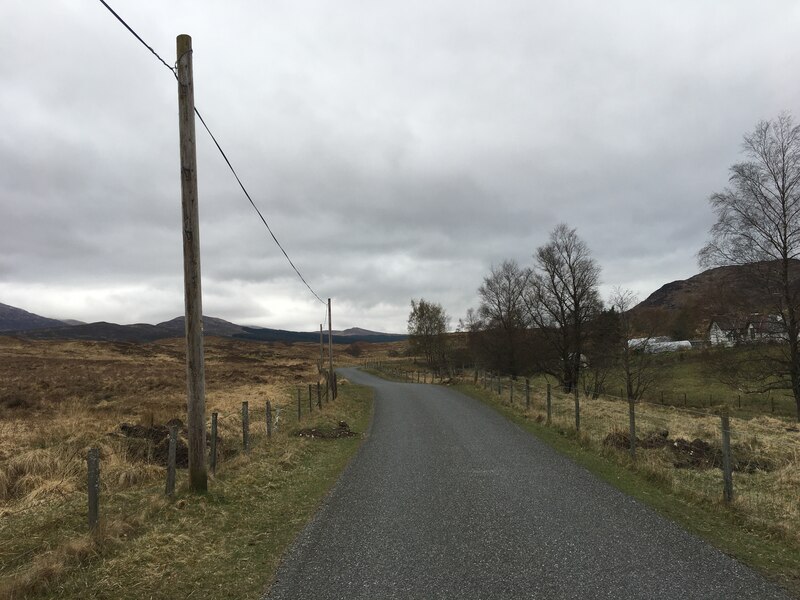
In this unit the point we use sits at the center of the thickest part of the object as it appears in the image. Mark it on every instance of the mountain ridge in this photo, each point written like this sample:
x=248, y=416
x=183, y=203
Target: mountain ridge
x=19, y=322
x=13, y=319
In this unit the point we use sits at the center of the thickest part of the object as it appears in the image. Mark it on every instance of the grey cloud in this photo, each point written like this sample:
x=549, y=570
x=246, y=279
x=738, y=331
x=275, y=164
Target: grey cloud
x=398, y=150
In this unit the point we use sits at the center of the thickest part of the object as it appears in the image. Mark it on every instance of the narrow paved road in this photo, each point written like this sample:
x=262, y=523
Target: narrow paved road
x=447, y=499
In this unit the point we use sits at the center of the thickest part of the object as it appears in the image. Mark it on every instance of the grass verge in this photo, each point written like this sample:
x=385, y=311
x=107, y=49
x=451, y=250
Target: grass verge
x=774, y=556
x=224, y=544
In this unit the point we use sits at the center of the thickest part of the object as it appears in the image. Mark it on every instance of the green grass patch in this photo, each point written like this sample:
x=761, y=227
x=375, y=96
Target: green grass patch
x=773, y=555
x=226, y=543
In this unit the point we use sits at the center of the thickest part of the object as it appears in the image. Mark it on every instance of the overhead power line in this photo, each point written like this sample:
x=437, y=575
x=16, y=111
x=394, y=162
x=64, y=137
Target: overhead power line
x=136, y=35
x=263, y=220
x=173, y=70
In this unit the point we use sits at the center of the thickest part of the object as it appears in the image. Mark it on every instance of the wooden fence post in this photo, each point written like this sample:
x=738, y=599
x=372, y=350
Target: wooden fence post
x=310, y=401
x=319, y=396
x=213, y=459
x=577, y=410
x=245, y=426
x=727, y=470
x=269, y=420
x=549, y=405
x=511, y=392
x=93, y=468
x=632, y=426
x=527, y=393
x=173, y=441
x=299, y=414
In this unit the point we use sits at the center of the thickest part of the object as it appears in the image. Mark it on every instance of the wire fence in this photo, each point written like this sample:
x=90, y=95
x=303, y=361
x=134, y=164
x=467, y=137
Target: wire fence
x=752, y=466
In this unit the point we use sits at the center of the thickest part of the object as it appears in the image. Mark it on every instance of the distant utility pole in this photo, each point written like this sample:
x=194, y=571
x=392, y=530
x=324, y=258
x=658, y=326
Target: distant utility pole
x=321, y=349
x=195, y=370
x=330, y=347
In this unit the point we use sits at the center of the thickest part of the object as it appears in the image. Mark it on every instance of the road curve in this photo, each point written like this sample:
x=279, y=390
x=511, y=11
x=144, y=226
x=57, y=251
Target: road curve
x=448, y=499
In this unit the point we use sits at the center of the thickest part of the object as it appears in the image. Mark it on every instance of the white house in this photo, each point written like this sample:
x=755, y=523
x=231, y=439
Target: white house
x=724, y=331
x=765, y=328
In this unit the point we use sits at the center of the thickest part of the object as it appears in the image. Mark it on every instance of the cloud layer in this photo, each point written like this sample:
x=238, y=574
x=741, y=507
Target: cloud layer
x=398, y=150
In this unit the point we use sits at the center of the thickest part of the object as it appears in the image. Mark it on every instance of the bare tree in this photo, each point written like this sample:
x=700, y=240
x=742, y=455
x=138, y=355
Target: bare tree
x=503, y=316
x=600, y=350
x=427, y=329
x=758, y=225
x=562, y=298
x=469, y=323
x=635, y=359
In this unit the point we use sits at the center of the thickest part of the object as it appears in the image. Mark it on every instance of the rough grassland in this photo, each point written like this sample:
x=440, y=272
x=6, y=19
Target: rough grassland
x=59, y=398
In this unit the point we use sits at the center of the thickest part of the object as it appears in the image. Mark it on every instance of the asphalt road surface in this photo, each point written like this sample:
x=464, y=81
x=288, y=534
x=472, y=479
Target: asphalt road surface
x=447, y=499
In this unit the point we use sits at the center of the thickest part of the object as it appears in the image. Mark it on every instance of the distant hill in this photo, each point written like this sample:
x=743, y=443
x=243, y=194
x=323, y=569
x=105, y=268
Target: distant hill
x=683, y=309
x=211, y=326
x=100, y=331
x=15, y=319
x=273, y=335
x=28, y=325
x=357, y=331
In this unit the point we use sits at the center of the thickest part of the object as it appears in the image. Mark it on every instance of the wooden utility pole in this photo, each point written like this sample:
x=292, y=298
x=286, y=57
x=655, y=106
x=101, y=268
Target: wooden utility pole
x=321, y=349
x=330, y=351
x=195, y=370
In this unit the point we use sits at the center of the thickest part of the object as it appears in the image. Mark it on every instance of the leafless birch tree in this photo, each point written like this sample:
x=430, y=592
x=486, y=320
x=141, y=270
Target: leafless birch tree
x=563, y=298
x=638, y=369
x=503, y=316
x=758, y=225
x=427, y=330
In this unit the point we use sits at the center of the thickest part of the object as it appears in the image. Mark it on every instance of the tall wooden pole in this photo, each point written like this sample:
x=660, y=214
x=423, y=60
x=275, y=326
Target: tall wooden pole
x=330, y=348
x=195, y=370
x=321, y=349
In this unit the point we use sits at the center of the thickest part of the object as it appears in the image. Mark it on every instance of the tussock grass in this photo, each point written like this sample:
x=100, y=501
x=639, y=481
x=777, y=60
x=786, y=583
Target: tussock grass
x=70, y=396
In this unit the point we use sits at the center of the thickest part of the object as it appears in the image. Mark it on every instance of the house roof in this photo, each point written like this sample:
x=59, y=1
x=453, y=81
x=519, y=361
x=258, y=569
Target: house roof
x=767, y=324
x=726, y=323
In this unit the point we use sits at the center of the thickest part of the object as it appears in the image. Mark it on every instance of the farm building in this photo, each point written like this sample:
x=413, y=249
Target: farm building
x=657, y=345
x=765, y=328
x=726, y=331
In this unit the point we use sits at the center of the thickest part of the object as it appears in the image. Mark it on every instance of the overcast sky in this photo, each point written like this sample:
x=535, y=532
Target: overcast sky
x=398, y=149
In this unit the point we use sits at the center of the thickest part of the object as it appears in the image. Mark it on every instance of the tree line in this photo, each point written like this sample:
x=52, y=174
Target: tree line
x=548, y=316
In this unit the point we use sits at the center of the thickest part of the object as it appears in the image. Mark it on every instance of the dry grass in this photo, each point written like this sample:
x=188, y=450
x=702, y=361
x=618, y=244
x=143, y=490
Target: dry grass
x=59, y=398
